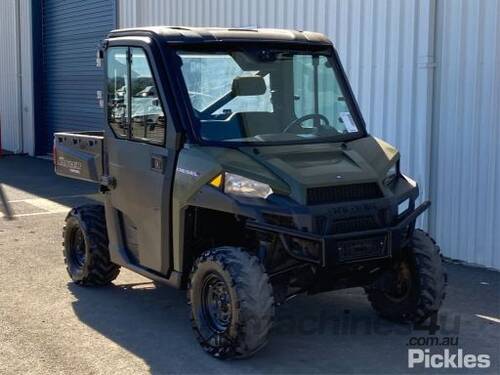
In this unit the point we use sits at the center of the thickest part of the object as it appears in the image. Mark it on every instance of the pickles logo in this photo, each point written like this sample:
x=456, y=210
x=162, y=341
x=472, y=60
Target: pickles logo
x=448, y=359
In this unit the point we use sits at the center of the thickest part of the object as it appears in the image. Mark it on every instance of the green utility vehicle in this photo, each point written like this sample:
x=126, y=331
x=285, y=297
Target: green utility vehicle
x=235, y=163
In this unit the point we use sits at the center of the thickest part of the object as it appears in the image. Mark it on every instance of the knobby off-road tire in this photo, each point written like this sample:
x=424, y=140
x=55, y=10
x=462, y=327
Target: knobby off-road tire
x=86, y=247
x=427, y=284
x=237, y=287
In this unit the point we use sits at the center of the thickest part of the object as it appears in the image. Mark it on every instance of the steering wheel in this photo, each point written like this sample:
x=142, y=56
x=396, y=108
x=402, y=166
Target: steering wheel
x=310, y=116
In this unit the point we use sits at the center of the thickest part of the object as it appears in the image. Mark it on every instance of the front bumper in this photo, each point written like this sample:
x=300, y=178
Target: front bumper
x=335, y=249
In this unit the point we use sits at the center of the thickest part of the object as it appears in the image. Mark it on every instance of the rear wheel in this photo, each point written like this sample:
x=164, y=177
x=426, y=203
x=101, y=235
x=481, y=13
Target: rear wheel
x=232, y=305
x=414, y=288
x=86, y=247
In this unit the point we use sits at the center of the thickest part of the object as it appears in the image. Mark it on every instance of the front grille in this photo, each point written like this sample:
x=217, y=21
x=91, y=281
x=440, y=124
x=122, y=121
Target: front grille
x=343, y=193
x=356, y=224
x=346, y=225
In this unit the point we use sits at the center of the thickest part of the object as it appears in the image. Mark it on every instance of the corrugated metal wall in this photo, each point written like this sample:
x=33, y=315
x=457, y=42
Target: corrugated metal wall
x=466, y=134
x=72, y=30
x=388, y=48
x=9, y=97
x=385, y=46
x=16, y=95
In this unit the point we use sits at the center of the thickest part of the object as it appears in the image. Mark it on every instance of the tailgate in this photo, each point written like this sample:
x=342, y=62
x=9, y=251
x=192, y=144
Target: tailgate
x=79, y=155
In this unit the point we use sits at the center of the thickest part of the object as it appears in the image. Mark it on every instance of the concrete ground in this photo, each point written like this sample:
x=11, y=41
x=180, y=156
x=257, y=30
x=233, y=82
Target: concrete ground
x=48, y=325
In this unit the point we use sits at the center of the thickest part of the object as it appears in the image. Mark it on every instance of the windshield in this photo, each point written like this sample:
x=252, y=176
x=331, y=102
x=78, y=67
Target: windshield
x=267, y=96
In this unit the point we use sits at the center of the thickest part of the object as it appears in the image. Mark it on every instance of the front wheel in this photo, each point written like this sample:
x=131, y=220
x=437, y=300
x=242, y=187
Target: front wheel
x=414, y=288
x=232, y=304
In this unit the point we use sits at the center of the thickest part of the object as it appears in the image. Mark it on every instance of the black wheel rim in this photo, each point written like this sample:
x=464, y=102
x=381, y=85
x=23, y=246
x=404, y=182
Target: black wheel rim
x=402, y=283
x=216, y=303
x=77, y=249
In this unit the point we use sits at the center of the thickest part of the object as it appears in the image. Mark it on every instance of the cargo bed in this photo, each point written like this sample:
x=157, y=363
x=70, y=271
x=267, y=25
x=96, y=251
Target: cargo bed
x=79, y=155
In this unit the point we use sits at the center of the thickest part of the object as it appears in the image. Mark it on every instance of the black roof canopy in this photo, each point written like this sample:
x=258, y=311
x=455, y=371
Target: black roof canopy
x=183, y=34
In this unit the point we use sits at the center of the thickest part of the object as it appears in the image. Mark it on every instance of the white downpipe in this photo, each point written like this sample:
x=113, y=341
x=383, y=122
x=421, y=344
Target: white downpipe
x=20, y=143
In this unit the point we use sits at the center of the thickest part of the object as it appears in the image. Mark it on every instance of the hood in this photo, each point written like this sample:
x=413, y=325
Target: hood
x=295, y=168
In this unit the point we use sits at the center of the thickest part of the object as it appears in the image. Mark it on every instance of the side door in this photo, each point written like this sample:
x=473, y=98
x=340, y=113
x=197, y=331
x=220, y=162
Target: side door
x=141, y=161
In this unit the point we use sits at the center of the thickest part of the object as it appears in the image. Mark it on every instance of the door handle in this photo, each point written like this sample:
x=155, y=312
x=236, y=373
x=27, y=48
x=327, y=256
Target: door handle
x=158, y=163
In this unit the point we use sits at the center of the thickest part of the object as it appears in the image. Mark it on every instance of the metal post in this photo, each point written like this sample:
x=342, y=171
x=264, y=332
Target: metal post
x=0, y=135
x=20, y=112
x=316, y=88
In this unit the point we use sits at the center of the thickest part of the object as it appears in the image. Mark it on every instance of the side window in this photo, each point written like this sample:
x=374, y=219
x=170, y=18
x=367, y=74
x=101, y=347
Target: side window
x=117, y=81
x=148, y=117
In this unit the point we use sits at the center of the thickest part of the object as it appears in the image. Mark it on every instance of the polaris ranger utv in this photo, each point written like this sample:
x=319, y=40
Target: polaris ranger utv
x=235, y=163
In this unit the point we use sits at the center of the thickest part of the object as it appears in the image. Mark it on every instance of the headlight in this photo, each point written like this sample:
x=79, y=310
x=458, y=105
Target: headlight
x=238, y=185
x=392, y=174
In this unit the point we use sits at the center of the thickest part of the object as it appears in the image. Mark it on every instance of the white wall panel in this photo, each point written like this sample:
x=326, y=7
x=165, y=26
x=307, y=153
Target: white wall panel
x=383, y=44
x=388, y=48
x=16, y=88
x=466, y=136
x=9, y=90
